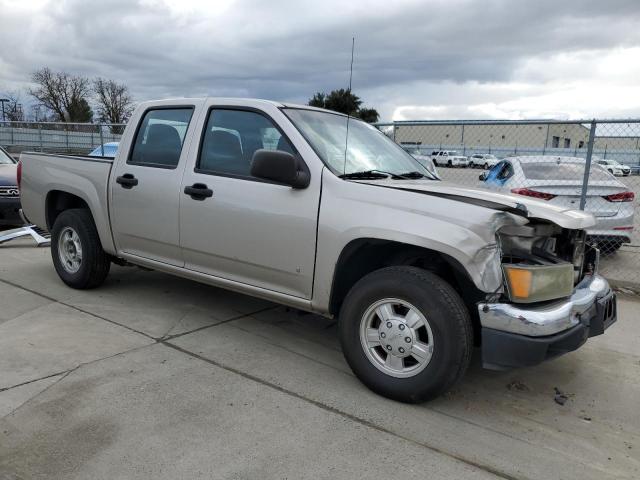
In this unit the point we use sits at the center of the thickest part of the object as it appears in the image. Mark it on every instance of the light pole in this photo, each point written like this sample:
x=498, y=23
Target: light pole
x=2, y=101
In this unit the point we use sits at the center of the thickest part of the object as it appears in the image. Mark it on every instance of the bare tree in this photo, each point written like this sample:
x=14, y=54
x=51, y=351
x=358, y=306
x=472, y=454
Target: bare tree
x=63, y=94
x=115, y=104
x=13, y=108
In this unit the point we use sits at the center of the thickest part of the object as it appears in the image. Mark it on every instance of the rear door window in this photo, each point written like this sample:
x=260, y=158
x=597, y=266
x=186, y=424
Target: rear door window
x=160, y=137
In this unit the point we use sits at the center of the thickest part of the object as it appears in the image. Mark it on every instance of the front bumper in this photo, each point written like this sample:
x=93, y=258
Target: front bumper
x=514, y=336
x=10, y=211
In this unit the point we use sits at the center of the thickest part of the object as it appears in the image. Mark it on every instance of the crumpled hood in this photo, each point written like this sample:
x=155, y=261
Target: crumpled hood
x=525, y=206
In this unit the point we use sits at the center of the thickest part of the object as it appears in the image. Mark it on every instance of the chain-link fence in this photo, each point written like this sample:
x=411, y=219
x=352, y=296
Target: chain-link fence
x=57, y=137
x=590, y=165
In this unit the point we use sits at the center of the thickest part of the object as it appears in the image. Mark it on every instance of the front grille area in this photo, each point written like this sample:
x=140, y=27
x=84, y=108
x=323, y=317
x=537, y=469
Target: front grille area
x=11, y=192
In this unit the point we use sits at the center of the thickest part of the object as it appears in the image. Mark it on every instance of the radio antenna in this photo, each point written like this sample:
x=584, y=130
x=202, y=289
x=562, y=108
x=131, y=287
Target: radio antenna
x=353, y=44
x=346, y=140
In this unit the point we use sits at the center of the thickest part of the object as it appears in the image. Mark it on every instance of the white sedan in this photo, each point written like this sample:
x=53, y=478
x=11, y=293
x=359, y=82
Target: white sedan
x=558, y=180
x=614, y=167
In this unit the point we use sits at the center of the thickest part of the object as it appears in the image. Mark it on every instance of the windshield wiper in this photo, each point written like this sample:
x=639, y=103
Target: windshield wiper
x=411, y=175
x=371, y=174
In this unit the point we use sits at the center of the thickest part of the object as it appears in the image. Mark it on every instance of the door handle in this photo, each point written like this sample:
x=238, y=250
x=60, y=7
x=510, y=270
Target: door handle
x=198, y=191
x=127, y=180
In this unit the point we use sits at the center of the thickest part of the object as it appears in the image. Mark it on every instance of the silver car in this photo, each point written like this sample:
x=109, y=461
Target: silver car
x=558, y=180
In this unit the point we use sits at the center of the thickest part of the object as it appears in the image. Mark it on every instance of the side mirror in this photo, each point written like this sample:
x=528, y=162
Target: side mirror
x=279, y=166
x=482, y=177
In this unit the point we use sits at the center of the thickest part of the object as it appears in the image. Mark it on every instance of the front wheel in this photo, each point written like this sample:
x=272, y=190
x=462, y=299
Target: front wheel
x=76, y=250
x=486, y=166
x=406, y=333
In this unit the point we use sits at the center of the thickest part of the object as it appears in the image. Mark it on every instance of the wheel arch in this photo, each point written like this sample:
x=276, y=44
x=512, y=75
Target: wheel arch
x=57, y=201
x=365, y=255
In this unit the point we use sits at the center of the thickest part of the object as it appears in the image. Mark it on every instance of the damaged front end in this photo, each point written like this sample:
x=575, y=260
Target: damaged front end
x=542, y=261
x=552, y=298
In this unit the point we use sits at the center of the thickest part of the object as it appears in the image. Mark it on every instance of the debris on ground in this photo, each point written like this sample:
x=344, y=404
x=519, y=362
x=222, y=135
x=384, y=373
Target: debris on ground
x=517, y=385
x=560, y=397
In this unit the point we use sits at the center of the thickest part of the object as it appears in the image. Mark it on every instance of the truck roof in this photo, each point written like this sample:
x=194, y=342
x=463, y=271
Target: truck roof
x=249, y=102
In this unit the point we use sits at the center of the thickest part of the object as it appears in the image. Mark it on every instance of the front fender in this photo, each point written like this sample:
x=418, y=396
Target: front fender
x=464, y=232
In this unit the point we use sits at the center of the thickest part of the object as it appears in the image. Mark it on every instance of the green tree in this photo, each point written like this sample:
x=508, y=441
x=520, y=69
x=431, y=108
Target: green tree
x=318, y=100
x=80, y=111
x=344, y=101
x=369, y=115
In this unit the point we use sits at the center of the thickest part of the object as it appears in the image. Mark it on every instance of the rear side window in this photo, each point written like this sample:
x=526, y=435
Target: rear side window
x=159, y=139
x=562, y=171
x=230, y=139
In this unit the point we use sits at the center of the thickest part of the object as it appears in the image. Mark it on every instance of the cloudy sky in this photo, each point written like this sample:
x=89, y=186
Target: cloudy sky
x=443, y=59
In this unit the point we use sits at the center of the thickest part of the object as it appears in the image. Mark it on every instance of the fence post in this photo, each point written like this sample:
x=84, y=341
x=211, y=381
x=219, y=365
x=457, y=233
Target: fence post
x=101, y=139
x=546, y=141
x=40, y=135
x=66, y=136
x=587, y=165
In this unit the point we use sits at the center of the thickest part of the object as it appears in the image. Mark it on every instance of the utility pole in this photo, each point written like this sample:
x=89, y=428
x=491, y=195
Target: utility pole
x=3, y=101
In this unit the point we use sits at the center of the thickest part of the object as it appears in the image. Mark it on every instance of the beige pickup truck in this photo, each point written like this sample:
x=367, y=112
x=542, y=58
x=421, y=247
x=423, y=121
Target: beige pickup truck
x=278, y=201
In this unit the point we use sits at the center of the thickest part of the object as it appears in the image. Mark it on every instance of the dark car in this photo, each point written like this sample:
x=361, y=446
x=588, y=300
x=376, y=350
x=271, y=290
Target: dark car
x=9, y=193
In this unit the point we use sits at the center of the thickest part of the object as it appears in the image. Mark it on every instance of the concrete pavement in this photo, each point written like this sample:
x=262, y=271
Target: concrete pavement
x=152, y=376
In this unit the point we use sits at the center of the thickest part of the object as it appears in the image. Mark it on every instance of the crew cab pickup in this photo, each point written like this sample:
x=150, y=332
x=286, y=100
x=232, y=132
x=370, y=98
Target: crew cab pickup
x=324, y=213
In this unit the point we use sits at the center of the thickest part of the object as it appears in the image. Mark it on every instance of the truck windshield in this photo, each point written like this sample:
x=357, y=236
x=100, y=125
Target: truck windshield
x=367, y=149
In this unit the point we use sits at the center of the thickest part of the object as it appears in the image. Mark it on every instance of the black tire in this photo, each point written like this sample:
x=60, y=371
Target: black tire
x=486, y=166
x=95, y=263
x=448, y=319
x=449, y=164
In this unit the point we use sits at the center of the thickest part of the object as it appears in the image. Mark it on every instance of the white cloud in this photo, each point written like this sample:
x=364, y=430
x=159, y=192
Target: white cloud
x=414, y=59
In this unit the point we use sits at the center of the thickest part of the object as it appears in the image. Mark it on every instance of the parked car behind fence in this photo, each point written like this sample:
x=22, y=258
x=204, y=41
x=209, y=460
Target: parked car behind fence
x=558, y=181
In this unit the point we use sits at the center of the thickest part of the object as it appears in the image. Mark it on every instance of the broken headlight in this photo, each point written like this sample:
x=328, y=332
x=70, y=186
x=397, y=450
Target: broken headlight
x=537, y=283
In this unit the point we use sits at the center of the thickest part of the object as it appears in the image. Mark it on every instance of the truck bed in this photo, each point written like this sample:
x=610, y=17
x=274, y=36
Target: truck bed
x=85, y=177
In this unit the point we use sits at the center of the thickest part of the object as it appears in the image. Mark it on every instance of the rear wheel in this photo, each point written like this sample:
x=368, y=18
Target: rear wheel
x=405, y=333
x=449, y=164
x=486, y=166
x=76, y=250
